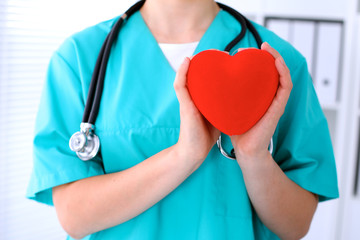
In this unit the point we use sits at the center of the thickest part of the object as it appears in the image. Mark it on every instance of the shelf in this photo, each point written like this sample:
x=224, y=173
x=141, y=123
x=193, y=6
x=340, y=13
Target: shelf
x=306, y=8
x=306, y=15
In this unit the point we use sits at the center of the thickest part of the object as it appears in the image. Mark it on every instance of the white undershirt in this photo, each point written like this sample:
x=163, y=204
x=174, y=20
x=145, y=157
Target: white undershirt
x=176, y=52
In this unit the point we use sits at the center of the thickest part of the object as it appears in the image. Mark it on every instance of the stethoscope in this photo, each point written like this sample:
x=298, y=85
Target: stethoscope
x=86, y=143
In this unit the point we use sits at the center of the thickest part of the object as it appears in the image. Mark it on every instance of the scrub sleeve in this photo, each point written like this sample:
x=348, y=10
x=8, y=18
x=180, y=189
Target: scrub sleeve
x=302, y=142
x=303, y=147
x=59, y=116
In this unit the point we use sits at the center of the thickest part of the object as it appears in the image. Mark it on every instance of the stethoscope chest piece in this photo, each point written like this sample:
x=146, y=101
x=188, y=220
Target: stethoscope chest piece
x=85, y=143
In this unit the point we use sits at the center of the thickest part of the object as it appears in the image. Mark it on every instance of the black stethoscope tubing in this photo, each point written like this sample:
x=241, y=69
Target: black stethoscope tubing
x=245, y=24
x=97, y=81
x=85, y=143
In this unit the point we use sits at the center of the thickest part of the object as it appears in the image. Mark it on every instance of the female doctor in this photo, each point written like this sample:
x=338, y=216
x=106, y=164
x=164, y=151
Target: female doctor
x=159, y=175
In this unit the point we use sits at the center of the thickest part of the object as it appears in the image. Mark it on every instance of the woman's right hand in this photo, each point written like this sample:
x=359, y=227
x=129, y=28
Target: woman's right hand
x=197, y=135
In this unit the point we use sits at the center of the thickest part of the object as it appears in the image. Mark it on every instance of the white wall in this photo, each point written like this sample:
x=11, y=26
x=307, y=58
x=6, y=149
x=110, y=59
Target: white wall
x=30, y=30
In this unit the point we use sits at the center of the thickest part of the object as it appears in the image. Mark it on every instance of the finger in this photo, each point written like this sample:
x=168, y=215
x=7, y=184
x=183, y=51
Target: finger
x=284, y=74
x=181, y=90
x=279, y=61
x=180, y=78
x=278, y=105
x=266, y=46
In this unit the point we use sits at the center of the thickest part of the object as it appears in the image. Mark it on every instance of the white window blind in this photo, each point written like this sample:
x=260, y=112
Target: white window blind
x=30, y=30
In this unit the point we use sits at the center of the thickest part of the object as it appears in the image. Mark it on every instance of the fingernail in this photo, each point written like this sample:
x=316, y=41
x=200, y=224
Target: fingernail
x=264, y=45
x=185, y=60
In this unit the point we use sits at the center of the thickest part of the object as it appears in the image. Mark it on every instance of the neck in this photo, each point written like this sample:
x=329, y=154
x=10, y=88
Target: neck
x=178, y=21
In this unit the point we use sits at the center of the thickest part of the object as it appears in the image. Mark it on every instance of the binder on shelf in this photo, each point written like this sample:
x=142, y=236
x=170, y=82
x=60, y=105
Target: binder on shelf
x=320, y=41
x=328, y=55
x=303, y=39
x=279, y=26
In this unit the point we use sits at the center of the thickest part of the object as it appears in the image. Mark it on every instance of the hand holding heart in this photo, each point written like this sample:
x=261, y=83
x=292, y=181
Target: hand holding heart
x=197, y=135
x=254, y=143
x=250, y=122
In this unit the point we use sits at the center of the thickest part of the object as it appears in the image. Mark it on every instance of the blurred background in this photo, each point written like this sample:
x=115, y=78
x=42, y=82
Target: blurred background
x=326, y=32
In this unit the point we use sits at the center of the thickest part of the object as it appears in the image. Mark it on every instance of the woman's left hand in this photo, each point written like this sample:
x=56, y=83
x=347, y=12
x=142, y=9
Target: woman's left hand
x=254, y=143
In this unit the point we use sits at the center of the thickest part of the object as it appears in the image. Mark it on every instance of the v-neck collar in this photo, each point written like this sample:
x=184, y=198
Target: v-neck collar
x=200, y=47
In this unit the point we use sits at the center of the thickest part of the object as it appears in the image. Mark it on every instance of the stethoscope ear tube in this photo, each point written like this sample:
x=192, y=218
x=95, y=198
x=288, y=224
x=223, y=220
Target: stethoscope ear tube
x=245, y=24
x=242, y=22
x=86, y=143
x=97, y=80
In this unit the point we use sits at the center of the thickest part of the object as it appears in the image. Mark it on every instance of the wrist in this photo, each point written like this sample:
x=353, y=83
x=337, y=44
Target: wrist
x=186, y=158
x=252, y=159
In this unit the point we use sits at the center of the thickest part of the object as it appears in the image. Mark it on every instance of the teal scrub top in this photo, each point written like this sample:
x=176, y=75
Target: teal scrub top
x=139, y=116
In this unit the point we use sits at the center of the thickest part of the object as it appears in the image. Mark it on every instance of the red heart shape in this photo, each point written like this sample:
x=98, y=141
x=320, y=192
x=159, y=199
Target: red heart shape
x=233, y=92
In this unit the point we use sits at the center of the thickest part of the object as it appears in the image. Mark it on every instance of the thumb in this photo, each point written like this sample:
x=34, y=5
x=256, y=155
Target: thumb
x=181, y=90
